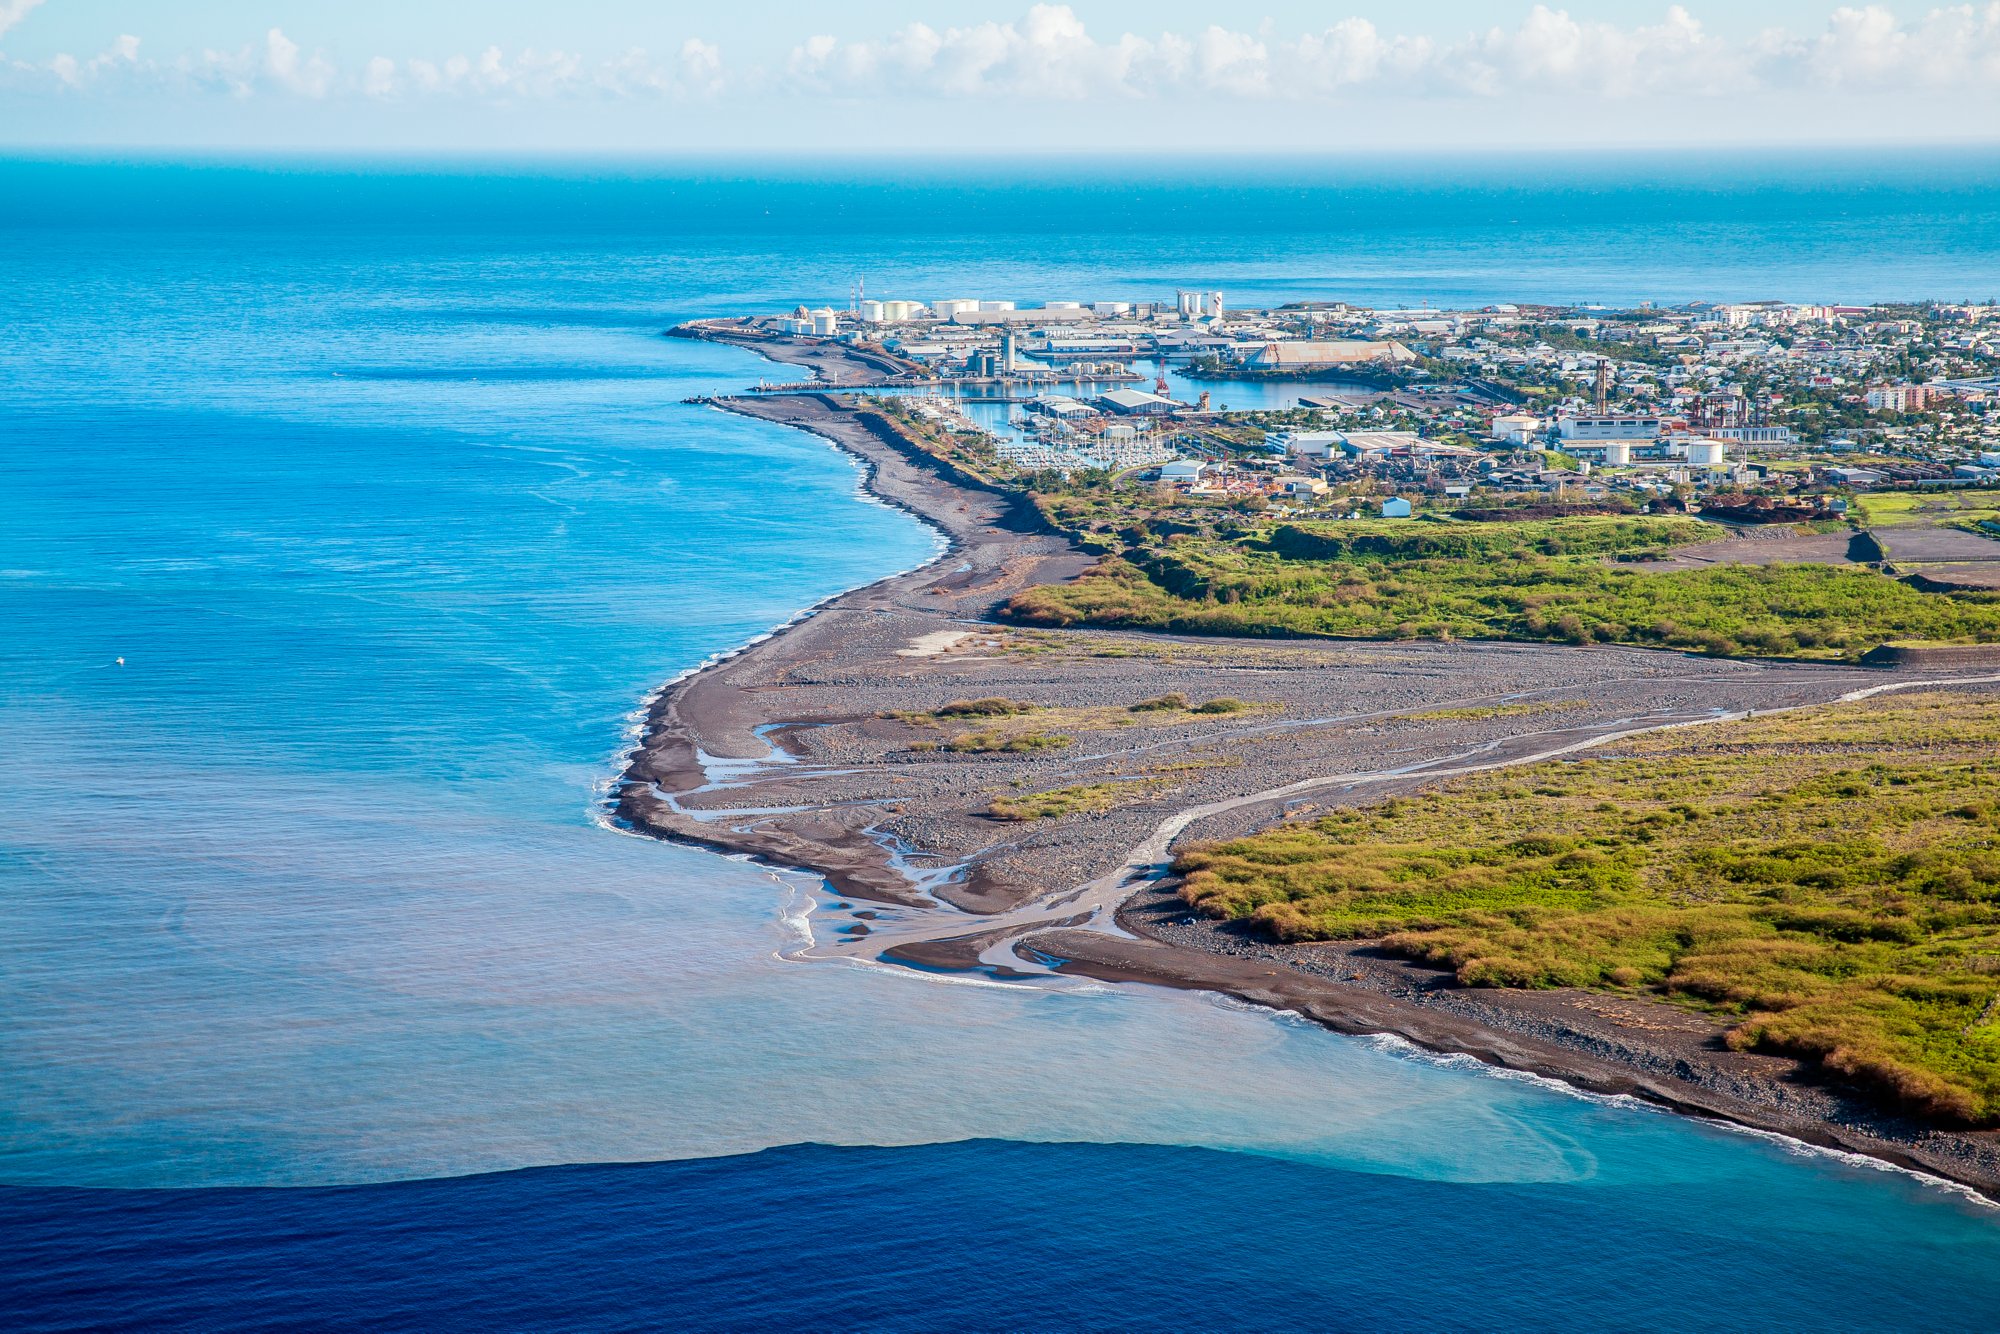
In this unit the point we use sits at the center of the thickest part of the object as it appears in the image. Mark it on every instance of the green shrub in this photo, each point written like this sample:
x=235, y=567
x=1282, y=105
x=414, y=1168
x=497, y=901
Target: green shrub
x=1833, y=890
x=994, y=707
x=990, y=743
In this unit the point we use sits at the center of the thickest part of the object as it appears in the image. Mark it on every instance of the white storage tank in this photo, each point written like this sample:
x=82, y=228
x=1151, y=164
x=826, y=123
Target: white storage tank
x=953, y=307
x=826, y=322
x=871, y=312
x=1707, y=453
x=1617, y=453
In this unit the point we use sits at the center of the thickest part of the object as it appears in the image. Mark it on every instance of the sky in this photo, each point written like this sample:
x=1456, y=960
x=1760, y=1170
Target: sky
x=990, y=76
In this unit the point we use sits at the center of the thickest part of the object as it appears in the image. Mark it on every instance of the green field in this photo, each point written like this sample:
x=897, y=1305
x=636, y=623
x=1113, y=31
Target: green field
x=1828, y=881
x=1576, y=580
x=1895, y=509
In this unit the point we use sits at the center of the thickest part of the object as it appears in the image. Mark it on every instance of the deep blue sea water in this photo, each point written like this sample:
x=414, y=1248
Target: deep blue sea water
x=982, y=1235
x=379, y=481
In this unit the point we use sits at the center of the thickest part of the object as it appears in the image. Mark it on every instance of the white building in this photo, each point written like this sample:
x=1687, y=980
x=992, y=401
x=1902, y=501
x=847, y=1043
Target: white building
x=1381, y=442
x=1518, y=428
x=1059, y=406
x=1899, y=398
x=1136, y=403
x=1312, y=444
x=1608, y=428
x=1756, y=435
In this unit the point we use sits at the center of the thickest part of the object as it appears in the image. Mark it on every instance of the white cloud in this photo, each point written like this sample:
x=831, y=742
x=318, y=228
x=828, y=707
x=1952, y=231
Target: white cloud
x=378, y=77
x=280, y=66
x=1350, y=53
x=13, y=11
x=1045, y=54
x=1551, y=49
x=701, y=67
x=1869, y=49
x=1049, y=53
x=311, y=77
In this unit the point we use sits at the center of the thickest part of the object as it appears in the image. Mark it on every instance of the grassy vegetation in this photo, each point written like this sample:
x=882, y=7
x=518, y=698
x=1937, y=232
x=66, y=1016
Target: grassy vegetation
x=1574, y=579
x=1018, y=727
x=1585, y=535
x=960, y=709
x=1001, y=743
x=1079, y=799
x=1828, y=881
x=992, y=707
x=1484, y=711
x=1892, y=509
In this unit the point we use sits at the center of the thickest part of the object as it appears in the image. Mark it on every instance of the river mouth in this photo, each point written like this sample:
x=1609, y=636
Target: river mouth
x=310, y=893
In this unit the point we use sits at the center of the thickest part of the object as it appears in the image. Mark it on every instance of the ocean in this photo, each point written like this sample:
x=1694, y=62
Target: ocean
x=348, y=513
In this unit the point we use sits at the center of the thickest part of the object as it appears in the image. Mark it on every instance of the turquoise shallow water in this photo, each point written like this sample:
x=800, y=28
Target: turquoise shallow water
x=390, y=504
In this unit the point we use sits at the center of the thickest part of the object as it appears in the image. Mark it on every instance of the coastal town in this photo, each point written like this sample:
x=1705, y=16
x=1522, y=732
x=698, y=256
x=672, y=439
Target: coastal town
x=1760, y=411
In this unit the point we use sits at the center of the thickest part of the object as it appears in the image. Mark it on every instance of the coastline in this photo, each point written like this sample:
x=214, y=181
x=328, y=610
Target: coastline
x=802, y=719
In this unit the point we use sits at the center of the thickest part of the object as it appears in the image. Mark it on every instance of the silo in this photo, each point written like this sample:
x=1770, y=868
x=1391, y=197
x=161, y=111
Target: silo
x=1707, y=453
